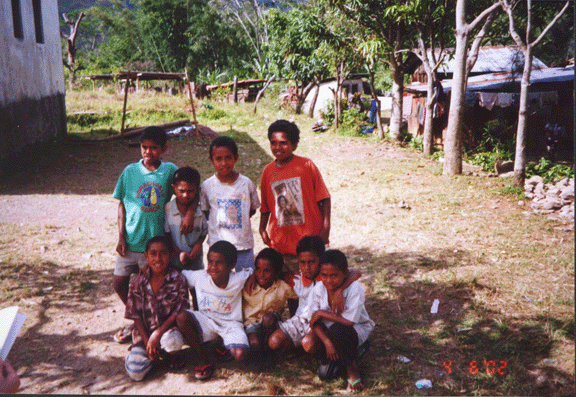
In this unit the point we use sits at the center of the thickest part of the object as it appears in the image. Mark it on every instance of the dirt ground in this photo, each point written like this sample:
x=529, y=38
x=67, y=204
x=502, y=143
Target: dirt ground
x=66, y=346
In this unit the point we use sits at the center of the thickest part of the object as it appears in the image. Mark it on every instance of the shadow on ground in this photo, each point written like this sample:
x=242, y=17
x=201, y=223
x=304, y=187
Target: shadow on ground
x=75, y=166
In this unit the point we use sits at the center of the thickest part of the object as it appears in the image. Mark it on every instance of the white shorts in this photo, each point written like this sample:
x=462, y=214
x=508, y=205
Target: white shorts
x=232, y=332
x=130, y=263
x=295, y=328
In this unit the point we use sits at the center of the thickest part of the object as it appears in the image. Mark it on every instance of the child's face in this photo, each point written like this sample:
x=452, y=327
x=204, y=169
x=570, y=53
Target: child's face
x=158, y=257
x=332, y=277
x=151, y=151
x=281, y=146
x=264, y=273
x=185, y=192
x=218, y=269
x=308, y=262
x=223, y=160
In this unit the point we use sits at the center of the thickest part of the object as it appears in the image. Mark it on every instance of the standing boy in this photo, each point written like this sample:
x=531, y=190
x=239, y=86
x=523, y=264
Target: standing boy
x=229, y=199
x=143, y=189
x=295, y=200
x=187, y=247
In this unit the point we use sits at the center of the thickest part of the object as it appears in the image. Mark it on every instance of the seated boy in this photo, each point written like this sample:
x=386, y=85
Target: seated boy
x=156, y=296
x=219, y=294
x=264, y=304
x=295, y=200
x=188, y=247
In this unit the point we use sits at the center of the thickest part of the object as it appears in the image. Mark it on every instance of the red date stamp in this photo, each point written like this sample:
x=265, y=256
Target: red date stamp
x=491, y=367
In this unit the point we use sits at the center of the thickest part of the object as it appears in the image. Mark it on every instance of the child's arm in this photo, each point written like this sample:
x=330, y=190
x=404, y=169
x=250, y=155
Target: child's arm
x=325, y=207
x=121, y=247
x=331, y=352
x=153, y=343
x=330, y=316
x=338, y=298
x=187, y=225
x=264, y=217
x=197, y=248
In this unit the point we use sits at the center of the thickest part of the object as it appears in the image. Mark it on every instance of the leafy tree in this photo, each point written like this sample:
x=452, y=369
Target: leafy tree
x=292, y=51
x=526, y=45
x=429, y=20
x=385, y=19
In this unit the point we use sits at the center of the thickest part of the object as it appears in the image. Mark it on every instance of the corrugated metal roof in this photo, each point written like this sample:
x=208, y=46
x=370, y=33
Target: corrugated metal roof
x=495, y=81
x=495, y=59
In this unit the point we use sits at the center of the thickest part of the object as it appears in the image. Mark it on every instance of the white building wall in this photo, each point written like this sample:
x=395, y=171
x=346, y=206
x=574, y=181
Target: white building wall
x=31, y=78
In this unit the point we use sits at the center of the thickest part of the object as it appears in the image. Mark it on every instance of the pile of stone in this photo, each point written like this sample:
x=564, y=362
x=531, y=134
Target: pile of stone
x=554, y=200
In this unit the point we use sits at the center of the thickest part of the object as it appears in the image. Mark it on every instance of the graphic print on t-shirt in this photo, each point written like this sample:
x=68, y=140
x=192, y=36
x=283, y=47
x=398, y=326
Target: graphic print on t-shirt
x=150, y=194
x=229, y=213
x=215, y=303
x=289, y=206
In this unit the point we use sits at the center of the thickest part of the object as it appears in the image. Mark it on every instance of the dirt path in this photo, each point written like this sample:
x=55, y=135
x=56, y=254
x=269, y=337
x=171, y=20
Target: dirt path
x=59, y=237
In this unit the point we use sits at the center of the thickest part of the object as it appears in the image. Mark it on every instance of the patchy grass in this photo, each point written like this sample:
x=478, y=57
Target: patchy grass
x=504, y=279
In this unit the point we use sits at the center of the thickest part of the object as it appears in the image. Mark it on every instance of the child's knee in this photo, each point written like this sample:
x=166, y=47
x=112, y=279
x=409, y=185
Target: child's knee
x=269, y=321
x=239, y=353
x=276, y=339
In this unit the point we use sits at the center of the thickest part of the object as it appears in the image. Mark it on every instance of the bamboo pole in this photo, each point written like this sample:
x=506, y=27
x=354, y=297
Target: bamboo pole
x=125, y=100
x=192, y=103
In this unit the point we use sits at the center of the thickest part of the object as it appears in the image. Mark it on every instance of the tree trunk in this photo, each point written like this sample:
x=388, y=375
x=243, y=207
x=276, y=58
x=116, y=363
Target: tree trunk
x=261, y=92
x=314, y=99
x=396, y=115
x=452, y=141
x=520, y=155
x=302, y=96
x=428, y=135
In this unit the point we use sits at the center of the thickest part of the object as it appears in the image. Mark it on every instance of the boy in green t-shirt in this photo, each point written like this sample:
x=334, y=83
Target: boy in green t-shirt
x=143, y=189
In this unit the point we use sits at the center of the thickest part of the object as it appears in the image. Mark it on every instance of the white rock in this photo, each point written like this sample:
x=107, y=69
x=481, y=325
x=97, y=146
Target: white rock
x=536, y=179
x=521, y=203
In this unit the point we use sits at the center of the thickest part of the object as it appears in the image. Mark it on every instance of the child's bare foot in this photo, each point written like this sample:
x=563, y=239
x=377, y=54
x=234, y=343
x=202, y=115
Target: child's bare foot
x=354, y=380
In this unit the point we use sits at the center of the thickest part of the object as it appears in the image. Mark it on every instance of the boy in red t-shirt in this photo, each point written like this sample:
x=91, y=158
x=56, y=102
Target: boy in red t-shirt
x=295, y=200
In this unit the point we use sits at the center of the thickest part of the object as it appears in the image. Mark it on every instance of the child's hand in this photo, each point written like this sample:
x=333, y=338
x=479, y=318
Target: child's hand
x=338, y=302
x=9, y=381
x=195, y=252
x=185, y=259
x=153, y=345
x=121, y=247
x=250, y=284
x=331, y=351
x=265, y=237
x=187, y=225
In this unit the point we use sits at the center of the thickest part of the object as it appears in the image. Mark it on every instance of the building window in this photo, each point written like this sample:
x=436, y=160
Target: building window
x=17, y=19
x=38, y=21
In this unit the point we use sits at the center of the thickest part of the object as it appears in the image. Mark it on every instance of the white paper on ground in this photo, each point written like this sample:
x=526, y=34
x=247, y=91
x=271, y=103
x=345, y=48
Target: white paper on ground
x=434, y=308
x=10, y=323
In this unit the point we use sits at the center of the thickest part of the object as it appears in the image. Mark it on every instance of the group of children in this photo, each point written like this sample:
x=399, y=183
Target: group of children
x=238, y=298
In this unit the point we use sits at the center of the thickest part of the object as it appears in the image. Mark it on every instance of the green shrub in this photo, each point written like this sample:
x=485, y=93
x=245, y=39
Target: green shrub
x=212, y=113
x=549, y=171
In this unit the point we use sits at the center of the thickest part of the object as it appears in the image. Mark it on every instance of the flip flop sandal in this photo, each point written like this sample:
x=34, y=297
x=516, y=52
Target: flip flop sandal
x=123, y=335
x=204, y=372
x=351, y=385
x=224, y=354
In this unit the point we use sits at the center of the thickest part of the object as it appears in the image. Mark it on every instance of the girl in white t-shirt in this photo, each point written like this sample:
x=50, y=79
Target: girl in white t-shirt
x=336, y=337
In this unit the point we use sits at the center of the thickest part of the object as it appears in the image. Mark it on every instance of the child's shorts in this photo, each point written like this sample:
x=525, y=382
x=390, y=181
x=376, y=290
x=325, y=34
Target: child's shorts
x=232, y=332
x=130, y=263
x=256, y=326
x=138, y=364
x=245, y=260
x=295, y=328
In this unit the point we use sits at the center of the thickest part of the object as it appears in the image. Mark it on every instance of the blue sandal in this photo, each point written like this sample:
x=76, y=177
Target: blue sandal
x=351, y=385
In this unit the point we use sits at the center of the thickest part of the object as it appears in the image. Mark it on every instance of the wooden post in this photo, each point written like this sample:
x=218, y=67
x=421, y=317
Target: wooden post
x=125, y=100
x=192, y=103
x=235, y=91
